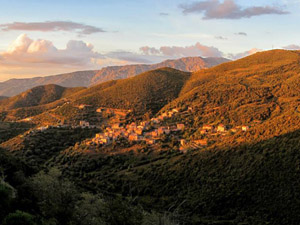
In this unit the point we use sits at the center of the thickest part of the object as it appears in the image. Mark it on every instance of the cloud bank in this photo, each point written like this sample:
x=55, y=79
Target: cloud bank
x=176, y=51
x=292, y=47
x=48, y=26
x=228, y=9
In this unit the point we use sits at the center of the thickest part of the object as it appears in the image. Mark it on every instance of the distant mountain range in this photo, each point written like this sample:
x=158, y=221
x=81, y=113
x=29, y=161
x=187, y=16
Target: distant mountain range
x=89, y=78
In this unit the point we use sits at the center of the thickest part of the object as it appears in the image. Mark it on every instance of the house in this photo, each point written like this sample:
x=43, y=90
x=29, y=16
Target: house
x=175, y=110
x=167, y=131
x=155, y=120
x=100, y=135
x=133, y=137
x=144, y=123
x=83, y=123
x=141, y=127
x=160, y=131
x=180, y=126
x=139, y=131
x=202, y=142
x=105, y=140
x=221, y=128
x=161, y=117
x=116, y=126
x=208, y=127
x=132, y=126
x=154, y=133
x=121, y=113
x=164, y=115
x=42, y=128
x=203, y=132
x=183, y=142
x=233, y=130
x=100, y=110
x=245, y=128
x=150, y=141
x=83, y=106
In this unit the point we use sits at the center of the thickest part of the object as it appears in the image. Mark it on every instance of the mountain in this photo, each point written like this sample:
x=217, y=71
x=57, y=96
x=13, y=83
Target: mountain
x=16, y=86
x=87, y=78
x=189, y=64
x=37, y=96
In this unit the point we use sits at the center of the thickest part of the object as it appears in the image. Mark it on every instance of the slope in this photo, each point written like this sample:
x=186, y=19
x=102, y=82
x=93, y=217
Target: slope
x=37, y=96
x=149, y=91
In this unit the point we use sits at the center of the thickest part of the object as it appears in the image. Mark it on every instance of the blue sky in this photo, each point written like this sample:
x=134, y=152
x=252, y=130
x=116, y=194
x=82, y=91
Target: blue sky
x=130, y=25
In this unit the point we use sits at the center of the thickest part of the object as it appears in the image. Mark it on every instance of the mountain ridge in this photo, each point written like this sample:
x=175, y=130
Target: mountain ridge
x=88, y=78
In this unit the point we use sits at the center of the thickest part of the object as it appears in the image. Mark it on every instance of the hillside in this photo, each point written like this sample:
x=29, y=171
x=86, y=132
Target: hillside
x=263, y=87
x=149, y=91
x=87, y=78
x=37, y=96
x=239, y=177
x=16, y=86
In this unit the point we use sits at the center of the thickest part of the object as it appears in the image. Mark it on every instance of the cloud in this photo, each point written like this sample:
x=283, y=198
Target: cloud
x=228, y=9
x=177, y=51
x=48, y=26
x=163, y=14
x=220, y=38
x=241, y=33
x=292, y=47
x=243, y=54
x=26, y=52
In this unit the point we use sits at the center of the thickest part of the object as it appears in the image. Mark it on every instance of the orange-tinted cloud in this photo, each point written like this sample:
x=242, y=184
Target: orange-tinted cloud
x=244, y=54
x=28, y=52
x=177, y=51
x=26, y=57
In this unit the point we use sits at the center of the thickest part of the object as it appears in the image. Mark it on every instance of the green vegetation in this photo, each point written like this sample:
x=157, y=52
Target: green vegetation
x=37, y=96
x=149, y=91
x=54, y=177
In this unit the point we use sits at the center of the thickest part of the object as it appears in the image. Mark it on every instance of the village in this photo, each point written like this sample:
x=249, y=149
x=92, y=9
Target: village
x=148, y=131
x=153, y=130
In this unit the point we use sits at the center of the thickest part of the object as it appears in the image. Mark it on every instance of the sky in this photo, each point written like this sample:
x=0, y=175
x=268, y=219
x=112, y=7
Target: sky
x=40, y=38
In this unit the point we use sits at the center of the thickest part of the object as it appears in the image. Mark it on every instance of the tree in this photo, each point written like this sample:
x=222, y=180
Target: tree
x=89, y=210
x=56, y=196
x=19, y=218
